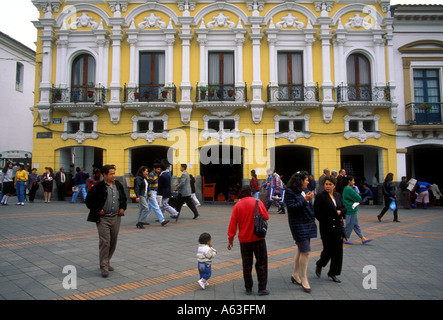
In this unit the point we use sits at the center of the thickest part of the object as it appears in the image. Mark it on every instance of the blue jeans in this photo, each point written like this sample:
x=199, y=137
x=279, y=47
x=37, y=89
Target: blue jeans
x=20, y=190
x=352, y=224
x=81, y=188
x=204, y=270
x=153, y=205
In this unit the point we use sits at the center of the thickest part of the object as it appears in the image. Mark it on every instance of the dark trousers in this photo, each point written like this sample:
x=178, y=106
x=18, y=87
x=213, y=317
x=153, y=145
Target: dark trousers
x=189, y=203
x=248, y=251
x=108, y=228
x=61, y=191
x=32, y=192
x=386, y=208
x=332, y=250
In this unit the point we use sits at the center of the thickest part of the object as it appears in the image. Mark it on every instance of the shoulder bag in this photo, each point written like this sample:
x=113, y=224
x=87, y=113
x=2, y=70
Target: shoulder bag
x=260, y=224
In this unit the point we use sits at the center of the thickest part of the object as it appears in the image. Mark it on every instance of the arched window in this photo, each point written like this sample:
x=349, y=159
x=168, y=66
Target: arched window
x=83, y=79
x=359, y=77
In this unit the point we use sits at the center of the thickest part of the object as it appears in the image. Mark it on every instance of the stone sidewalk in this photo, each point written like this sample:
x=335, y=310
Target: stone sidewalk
x=39, y=240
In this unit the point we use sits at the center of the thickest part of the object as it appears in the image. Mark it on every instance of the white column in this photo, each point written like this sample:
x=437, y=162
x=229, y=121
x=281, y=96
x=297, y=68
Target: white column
x=169, y=78
x=115, y=86
x=239, y=63
x=203, y=62
x=310, y=66
x=132, y=62
x=273, y=80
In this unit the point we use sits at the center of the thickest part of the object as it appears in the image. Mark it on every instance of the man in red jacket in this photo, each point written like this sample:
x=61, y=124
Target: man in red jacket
x=250, y=245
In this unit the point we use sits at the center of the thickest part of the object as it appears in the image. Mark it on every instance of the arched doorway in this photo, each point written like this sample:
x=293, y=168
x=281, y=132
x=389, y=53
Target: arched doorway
x=222, y=165
x=423, y=163
x=290, y=159
x=147, y=156
x=362, y=162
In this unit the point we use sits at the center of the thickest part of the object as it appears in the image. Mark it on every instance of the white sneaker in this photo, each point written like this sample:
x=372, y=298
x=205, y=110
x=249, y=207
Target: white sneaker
x=202, y=283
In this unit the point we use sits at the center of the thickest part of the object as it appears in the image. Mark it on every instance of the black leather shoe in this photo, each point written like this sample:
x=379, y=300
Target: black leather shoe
x=196, y=216
x=334, y=278
x=164, y=222
x=318, y=271
x=139, y=226
x=263, y=292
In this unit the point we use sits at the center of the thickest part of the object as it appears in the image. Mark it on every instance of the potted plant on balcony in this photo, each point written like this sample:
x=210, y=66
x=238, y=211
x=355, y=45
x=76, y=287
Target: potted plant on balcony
x=58, y=93
x=230, y=92
x=164, y=93
x=211, y=91
x=203, y=90
x=425, y=107
x=136, y=93
x=90, y=90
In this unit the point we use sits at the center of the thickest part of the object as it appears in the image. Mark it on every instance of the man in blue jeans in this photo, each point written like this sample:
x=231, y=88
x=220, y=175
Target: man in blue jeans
x=80, y=180
x=152, y=194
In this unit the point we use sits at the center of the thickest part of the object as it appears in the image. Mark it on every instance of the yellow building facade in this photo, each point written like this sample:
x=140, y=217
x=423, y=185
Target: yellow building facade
x=224, y=86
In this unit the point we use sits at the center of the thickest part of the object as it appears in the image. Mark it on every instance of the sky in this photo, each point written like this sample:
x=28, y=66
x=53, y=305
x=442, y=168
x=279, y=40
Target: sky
x=16, y=17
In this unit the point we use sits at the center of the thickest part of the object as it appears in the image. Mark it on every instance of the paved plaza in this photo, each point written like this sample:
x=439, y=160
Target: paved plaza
x=43, y=246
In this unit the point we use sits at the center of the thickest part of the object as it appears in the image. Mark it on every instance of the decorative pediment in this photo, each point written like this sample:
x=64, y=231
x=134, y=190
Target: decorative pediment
x=290, y=21
x=85, y=21
x=423, y=46
x=220, y=20
x=358, y=22
x=152, y=22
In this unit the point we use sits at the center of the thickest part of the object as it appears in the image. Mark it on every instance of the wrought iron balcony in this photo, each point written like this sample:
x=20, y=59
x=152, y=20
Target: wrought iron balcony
x=360, y=93
x=293, y=92
x=224, y=92
x=150, y=93
x=79, y=101
x=221, y=100
x=292, y=100
x=150, y=100
x=424, y=113
x=79, y=94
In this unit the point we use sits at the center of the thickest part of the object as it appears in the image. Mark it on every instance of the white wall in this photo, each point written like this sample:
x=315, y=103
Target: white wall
x=16, y=119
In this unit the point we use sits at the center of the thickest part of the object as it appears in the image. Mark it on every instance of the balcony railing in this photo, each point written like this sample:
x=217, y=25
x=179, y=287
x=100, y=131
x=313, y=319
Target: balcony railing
x=353, y=92
x=150, y=93
x=93, y=94
x=224, y=92
x=424, y=112
x=292, y=92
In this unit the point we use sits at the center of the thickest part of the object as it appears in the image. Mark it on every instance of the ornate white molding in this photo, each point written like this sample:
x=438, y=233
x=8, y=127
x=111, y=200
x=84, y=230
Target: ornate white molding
x=292, y=135
x=85, y=21
x=222, y=134
x=362, y=135
x=152, y=22
x=79, y=109
x=45, y=115
x=357, y=22
x=150, y=135
x=220, y=20
x=114, y=114
x=290, y=21
x=80, y=135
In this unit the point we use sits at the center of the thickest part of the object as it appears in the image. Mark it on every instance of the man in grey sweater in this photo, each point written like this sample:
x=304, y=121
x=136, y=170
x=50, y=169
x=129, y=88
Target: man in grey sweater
x=184, y=192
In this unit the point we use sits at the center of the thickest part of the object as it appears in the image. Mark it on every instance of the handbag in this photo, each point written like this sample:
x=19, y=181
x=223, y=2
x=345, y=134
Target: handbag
x=260, y=224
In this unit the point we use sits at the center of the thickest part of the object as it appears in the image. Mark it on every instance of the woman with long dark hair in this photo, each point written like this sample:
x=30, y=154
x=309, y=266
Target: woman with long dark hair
x=301, y=220
x=329, y=211
x=389, y=195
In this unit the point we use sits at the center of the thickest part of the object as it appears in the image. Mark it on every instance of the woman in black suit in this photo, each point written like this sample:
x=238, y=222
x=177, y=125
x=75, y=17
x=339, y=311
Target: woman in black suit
x=329, y=211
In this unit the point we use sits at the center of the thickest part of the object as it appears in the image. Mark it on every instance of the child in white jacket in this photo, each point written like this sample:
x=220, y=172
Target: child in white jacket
x=205, y=253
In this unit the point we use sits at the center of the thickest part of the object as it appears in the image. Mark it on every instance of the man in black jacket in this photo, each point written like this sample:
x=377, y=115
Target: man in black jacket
x=107, y=203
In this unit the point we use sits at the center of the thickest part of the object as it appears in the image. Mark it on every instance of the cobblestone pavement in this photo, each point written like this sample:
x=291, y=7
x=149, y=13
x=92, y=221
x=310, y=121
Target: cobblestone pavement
x=39, y=240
